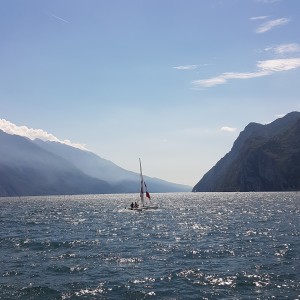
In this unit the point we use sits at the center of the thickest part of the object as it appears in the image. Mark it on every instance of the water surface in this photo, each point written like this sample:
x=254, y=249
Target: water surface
x=196, y=246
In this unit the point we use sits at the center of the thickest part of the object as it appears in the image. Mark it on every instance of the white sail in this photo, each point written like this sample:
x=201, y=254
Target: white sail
x=143, y=191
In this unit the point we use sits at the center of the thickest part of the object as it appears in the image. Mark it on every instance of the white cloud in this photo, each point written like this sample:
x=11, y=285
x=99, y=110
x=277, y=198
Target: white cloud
x=279, y=65
x=258, y=18
x=284, y=48
x=228, y=129
x=265, y=68
x=222, y=79
x=209, y=82
x=187, y=67
x=287, y=48
x=271, y=24
x=33, y=134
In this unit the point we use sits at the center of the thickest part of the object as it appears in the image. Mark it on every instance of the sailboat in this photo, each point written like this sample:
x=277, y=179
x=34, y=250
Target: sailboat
x=144, y=202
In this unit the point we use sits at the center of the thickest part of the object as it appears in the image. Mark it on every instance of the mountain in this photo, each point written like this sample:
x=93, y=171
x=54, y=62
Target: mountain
x=48, y=168
x=123, y=181
x=27, y=169
x=263, y=158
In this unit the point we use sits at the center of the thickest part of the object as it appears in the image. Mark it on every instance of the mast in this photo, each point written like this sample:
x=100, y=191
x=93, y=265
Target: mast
x=142, y=184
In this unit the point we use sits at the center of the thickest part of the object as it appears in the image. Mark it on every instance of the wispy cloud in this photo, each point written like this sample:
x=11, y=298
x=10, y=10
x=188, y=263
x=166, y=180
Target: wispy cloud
x=265, y=68
x=228, y=129
x=284, y=48
x=258, y=18
x=279, y=65
x=58, y=18
x=223, y=78
x=271, y=24
x=33, y=134
x=186, y=67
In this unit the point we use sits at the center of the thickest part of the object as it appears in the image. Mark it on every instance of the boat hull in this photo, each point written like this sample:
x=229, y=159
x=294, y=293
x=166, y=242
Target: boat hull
x=150, y=207
x=143, y=208
x=135, y=209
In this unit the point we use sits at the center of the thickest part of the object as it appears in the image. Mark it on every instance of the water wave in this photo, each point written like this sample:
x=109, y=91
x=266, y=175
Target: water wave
x=197, y=245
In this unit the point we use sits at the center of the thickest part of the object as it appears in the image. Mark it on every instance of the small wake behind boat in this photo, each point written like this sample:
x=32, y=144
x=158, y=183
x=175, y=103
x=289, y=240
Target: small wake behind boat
x=143, y=204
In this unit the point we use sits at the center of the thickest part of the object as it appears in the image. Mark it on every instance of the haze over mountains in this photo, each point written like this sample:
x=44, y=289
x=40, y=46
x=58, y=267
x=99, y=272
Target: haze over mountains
x=263, y=158
x=49, y=168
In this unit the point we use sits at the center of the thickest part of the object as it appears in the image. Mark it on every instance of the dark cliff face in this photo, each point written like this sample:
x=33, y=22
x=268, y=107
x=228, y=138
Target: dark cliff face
x=263, y=158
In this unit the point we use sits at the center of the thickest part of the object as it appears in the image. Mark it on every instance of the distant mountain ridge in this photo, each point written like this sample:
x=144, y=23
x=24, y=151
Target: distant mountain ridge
x=122, y=180
x=49, y=168
x=263, y=158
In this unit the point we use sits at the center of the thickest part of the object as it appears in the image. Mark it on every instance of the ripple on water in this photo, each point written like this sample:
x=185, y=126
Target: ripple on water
x=204, y=245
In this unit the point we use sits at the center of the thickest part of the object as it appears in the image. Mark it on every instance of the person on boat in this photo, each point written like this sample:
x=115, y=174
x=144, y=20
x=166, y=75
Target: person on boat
x=136, y=205
x=132, y=205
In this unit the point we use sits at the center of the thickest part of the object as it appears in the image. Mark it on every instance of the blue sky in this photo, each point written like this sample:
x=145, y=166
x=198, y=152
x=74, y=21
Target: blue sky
x=172, y=82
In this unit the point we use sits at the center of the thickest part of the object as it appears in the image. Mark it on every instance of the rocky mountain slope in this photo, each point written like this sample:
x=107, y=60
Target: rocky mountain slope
x=263, y=158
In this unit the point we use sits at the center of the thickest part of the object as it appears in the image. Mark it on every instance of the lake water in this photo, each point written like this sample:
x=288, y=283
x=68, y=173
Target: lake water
x=196, y=246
